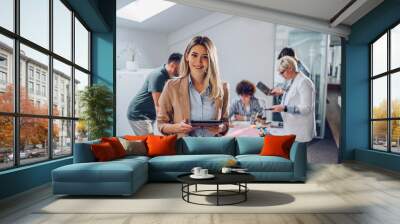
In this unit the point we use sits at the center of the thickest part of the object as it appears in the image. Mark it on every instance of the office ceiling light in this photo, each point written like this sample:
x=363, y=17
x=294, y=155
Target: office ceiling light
x=140, y=10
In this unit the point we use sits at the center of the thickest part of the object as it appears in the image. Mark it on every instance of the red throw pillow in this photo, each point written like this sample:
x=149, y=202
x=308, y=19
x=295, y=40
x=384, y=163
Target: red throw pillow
x=116, y=145
x=103, y=152
x=135, y=137
x=277, y=145
x=161, y=145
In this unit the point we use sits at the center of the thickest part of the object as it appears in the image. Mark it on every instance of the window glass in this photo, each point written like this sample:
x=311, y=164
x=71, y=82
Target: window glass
x=62, y=138
x=81, y=82
x=35, y=21
x=379, y=135
x=395, y=95
x=62, y=91
x=39, y=62
x=33, y=140
x=395, y=47
x=7, y=14
x=6, y=142
x=62, y=29
x=6, y=75
x=379, y=56
x=81, y=131
x=395, y=136
x=379, y=98
x=310, y=48
x=81, y=45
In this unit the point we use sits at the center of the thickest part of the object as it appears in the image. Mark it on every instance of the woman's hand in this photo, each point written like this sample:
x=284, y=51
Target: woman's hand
x=182, y=127
x=239, y=117
x=278, y=108
x=277, y=91
x=218, y=129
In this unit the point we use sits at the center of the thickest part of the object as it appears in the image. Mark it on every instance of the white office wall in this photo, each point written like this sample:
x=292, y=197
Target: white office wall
x=245, y=48
x=151, y=48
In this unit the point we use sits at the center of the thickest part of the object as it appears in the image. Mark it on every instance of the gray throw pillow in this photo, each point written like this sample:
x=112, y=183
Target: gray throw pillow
x=134, y=147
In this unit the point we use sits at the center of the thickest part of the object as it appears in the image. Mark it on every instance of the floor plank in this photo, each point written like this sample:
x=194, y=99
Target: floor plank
x=376, y=189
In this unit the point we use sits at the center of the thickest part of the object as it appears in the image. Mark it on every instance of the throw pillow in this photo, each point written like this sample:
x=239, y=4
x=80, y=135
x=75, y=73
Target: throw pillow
x=134, y=147
x=135, y=137
x=161, y=145
x=277, y=145
x=103, y=152
x=117, y=146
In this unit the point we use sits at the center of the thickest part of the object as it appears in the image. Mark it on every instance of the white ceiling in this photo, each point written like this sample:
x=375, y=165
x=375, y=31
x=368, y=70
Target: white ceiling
x=320, y=9
x=312, y=14
x=167, y=21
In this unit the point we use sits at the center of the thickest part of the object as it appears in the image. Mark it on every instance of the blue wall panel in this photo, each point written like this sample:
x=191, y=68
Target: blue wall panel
x=356, y=83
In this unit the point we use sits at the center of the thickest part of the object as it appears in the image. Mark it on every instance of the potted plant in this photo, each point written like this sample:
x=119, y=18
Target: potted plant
x=96, y=102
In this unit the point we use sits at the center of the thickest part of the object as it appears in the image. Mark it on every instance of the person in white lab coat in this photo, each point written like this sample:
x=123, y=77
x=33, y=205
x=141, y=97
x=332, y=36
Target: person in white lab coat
x=298, y=102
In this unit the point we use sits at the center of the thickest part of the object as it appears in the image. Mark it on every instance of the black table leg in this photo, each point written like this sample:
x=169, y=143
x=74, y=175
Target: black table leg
x=217, y=194
x=245, y=193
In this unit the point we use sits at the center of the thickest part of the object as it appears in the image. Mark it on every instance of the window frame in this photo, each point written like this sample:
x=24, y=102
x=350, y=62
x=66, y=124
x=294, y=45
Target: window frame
x=388, y=74
x=15, y=71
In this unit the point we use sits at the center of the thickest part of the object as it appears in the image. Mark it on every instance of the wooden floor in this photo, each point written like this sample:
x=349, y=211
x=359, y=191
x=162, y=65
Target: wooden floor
x=377, y=188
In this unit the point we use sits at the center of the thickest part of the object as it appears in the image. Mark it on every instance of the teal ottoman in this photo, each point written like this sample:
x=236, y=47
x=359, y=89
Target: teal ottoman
x=118, y=177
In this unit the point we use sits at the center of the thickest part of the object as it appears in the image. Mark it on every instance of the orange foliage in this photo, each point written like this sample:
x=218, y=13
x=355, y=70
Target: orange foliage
x=33, y=130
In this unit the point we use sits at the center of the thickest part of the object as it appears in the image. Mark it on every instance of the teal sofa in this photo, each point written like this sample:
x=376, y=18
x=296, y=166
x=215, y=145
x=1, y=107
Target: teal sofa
x=125, y=176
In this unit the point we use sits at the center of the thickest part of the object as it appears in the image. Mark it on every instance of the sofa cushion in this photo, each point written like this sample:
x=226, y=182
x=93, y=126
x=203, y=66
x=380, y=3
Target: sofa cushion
x=116, y=145
x=103, y=152
x=277, y=145
x=185, y=163
x=134, y=147
x=206, y=145
x=257, y=163
x=112, y=171
x=83, y=152
x=249, y=145
x=135, y=137
x=161, y=145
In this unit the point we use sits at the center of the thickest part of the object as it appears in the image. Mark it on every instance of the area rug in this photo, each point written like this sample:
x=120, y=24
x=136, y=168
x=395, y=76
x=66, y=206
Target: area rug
x=167, y=198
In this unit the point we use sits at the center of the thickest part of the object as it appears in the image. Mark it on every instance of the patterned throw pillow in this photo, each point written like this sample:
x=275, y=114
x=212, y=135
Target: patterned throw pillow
x=134, y=147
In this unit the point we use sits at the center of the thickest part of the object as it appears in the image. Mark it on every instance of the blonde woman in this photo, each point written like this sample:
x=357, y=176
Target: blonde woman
x=198, y=94
x=298, y=102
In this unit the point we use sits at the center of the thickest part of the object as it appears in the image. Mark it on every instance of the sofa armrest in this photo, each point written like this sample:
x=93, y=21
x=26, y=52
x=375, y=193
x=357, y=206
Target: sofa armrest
x=298, y=155
x=83, y=152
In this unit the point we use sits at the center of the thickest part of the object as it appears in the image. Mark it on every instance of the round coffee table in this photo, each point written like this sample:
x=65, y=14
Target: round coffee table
x=238, y=179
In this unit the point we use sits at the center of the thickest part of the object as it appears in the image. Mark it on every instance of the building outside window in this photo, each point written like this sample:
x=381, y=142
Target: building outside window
x=30, y=87
x=38, y=89
x=3, y=78
x=37, y=75
x=3, y=61
x=43, y=90
x=3, y=72
x=44, y=77
x=30, y=72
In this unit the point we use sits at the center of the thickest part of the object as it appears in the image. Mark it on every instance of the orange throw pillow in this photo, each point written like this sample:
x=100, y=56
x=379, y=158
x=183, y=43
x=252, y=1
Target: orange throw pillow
x=103, y=152
x=116, y=145
x=161, y=145
x=277, y=145
x=135, y=137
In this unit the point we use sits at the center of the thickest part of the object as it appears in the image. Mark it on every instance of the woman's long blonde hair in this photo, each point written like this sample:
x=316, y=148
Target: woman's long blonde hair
x=212, y=78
